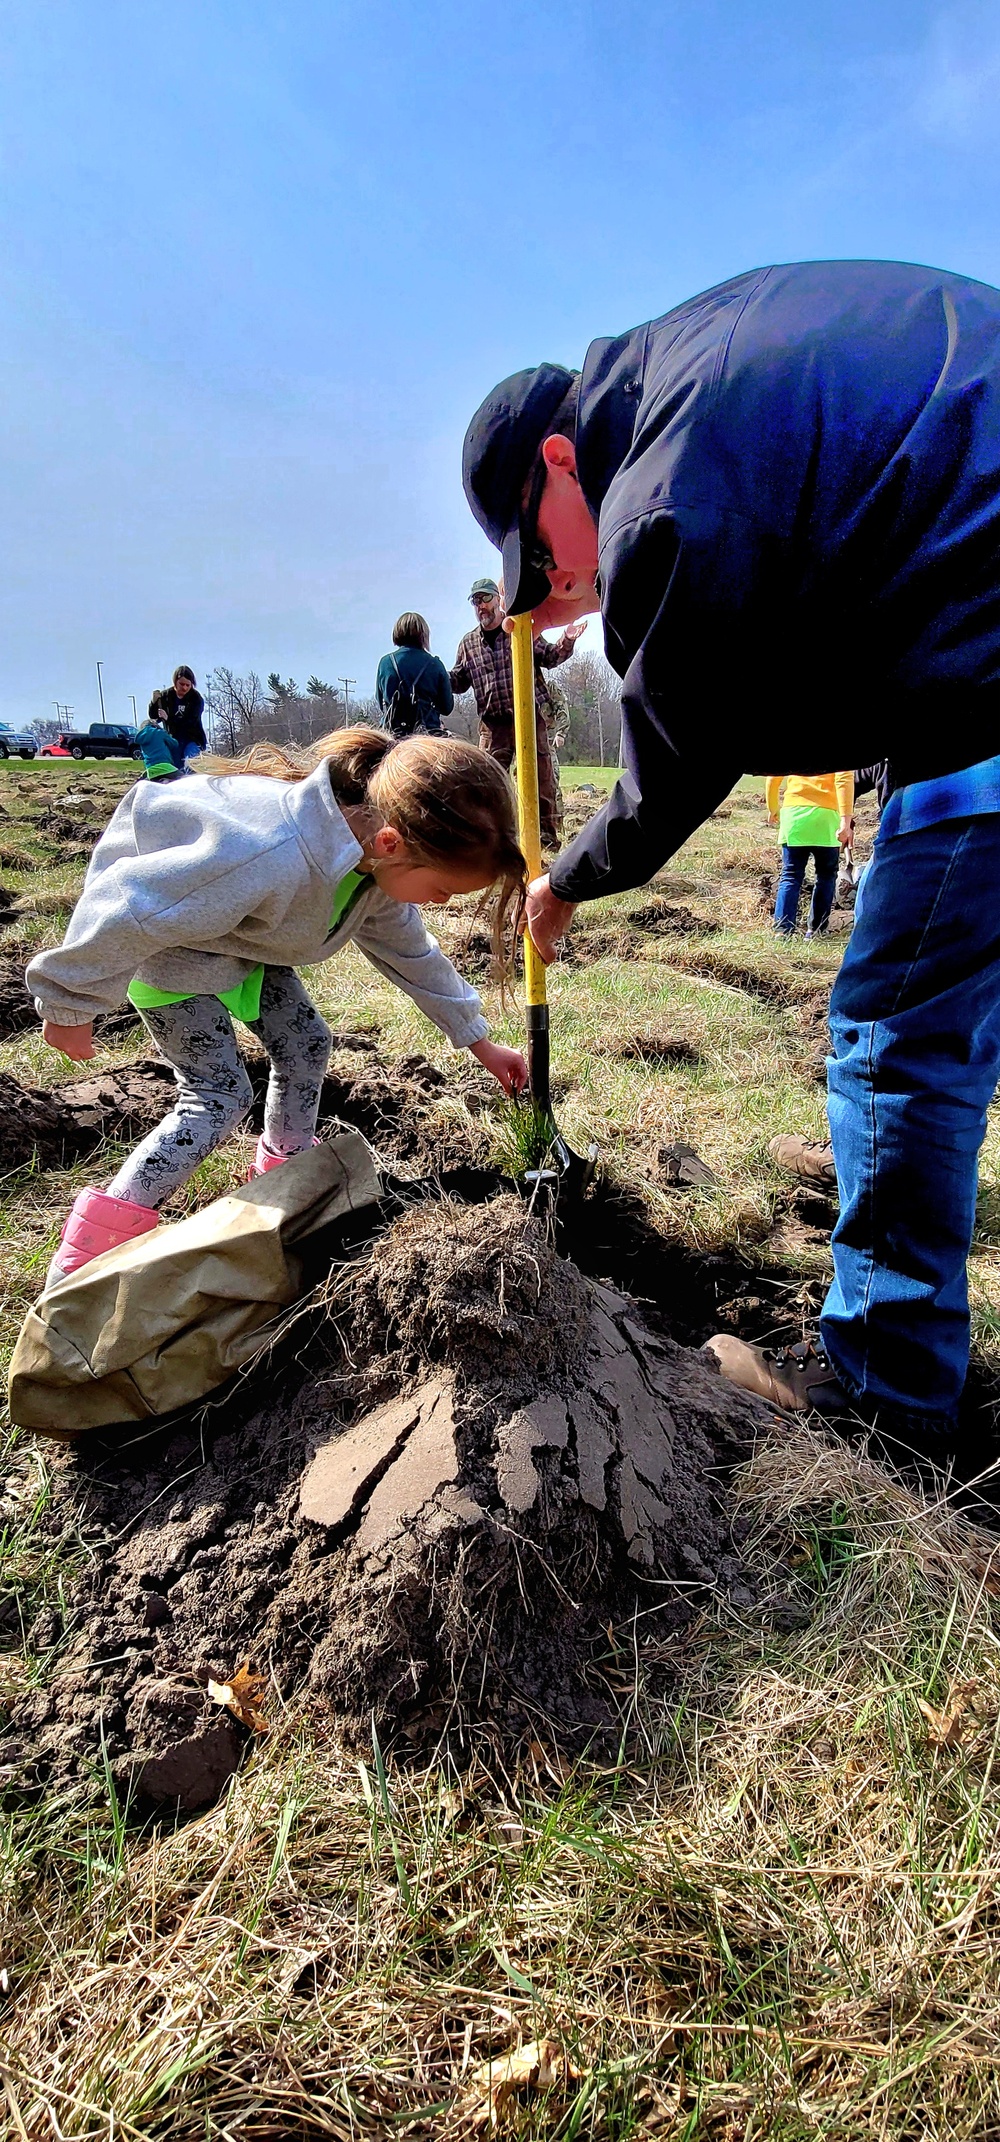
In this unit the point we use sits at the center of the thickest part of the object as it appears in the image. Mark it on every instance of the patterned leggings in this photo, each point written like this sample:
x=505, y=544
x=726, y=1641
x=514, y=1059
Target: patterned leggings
x=213, y=1090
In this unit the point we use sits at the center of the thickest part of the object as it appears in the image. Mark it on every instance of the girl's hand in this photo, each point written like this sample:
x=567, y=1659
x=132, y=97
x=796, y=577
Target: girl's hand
x=507, y=1065
x=74, y=1041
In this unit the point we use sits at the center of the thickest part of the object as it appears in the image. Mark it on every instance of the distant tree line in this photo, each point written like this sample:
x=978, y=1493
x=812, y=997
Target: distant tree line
x=588, y=693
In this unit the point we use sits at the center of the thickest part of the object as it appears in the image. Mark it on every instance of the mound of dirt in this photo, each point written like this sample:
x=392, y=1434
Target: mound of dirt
x=477, y=1467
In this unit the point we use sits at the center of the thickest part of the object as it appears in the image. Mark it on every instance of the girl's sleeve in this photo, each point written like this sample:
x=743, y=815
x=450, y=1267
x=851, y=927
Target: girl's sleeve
x=844, y=785
x=394, y=939
x=133, y=906
x=772, y=792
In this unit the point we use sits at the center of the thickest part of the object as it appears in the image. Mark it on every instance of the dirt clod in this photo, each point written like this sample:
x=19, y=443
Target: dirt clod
x=655, y=1046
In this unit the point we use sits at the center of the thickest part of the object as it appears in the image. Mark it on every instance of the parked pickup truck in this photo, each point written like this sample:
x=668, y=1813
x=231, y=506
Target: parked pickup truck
x=16, y=741
x=103, y=740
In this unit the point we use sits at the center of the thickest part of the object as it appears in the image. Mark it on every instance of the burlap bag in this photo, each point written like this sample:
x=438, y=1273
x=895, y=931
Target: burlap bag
x=161, y=1322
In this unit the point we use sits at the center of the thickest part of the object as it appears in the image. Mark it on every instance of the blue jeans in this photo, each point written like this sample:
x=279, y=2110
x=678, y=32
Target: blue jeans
x=915, y=1031
x=793, y=870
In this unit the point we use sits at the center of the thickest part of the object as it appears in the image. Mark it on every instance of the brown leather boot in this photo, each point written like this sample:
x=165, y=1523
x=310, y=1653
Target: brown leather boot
x=810, y=1159
x=798, y=1378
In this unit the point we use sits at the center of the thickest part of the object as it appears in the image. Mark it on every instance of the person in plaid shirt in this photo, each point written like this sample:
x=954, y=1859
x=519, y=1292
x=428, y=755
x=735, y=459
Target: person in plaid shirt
x=483, y=665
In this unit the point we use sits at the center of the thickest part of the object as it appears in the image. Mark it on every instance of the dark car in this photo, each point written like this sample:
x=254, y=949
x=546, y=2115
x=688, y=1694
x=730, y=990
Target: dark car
x=103, y=740
x=16, y=742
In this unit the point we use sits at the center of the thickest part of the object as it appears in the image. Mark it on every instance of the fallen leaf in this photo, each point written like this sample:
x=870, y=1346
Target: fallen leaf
x=945, y=1728
x=242, y=1695
x=549, y=1760
x=540, y=2065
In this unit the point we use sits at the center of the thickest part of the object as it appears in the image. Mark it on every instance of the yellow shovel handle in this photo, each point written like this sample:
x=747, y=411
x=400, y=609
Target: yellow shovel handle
x=529, y=817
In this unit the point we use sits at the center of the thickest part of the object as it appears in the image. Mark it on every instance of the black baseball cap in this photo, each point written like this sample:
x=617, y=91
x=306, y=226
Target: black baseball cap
x=501, y=446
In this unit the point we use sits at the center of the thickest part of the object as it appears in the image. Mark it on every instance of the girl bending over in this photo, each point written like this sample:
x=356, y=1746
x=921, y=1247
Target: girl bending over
x=203, y=897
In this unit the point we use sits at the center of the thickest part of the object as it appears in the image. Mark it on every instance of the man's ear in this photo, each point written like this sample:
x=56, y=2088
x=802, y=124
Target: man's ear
x=388, y=844
x=559, y=453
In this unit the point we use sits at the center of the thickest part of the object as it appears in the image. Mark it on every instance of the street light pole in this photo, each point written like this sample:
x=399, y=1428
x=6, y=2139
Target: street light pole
x=100, y=689
x=135, y=716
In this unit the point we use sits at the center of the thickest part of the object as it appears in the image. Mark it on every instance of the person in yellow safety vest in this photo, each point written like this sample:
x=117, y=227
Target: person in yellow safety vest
x=815, y=819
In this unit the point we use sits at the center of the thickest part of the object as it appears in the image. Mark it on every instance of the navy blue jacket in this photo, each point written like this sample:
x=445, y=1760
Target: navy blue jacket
x=796, y=478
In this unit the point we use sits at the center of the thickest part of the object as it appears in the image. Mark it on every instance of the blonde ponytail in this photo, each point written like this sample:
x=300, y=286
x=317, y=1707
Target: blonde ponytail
x=352, y=755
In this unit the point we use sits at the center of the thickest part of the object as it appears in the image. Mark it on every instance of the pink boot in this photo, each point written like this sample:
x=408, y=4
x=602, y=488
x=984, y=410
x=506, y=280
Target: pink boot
x=97, y=1223
x=264, y=1160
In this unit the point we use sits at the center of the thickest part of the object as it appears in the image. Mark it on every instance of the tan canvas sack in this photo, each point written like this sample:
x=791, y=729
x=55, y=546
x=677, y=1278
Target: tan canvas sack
x=162, y=1321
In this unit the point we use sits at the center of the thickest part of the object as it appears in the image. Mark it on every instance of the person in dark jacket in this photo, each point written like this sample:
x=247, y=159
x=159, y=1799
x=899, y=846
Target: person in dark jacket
x=183, y=706
x=411, y=684
x=793, y=481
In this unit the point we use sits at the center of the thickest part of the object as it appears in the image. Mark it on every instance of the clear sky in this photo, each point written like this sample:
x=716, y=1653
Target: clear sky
x=262, y=258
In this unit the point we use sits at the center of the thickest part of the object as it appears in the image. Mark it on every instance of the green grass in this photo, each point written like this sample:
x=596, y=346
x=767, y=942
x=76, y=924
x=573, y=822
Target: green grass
x=773, y=1917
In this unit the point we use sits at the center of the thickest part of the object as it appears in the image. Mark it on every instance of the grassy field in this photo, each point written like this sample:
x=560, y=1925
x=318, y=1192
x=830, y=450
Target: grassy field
x=775, y=1915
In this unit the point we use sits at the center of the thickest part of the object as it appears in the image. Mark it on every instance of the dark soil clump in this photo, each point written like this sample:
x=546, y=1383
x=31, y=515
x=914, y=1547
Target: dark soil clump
x=661, y=915
x=34, y=1126
x=17, y=1008
x=478, y=1464
x=17, y=1011
x=656, y=1048
x=772, y=988
x=394, y=1105
x=50, y=1126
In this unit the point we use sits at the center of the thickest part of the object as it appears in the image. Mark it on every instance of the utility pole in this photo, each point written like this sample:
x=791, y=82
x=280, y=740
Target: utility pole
x=347, y=683
x=63, y=711
x=100, y=688
x=135, y=716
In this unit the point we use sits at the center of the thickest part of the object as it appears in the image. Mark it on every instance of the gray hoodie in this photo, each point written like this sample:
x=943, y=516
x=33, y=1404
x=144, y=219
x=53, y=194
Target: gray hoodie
x=196, y=883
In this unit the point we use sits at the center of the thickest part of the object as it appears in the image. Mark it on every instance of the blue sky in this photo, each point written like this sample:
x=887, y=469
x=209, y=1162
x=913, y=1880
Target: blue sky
x=261, y=261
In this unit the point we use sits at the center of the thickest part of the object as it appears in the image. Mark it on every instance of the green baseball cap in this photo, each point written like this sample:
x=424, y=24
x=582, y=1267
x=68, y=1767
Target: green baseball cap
x=483, y=587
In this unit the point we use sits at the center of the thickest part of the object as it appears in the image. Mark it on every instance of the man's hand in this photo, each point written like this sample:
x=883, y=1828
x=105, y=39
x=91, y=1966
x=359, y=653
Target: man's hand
x=845, y=832
x=573, y=632
x=74, y=1041
x=546, y=918
x=773, y=819
x=507, y=1065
